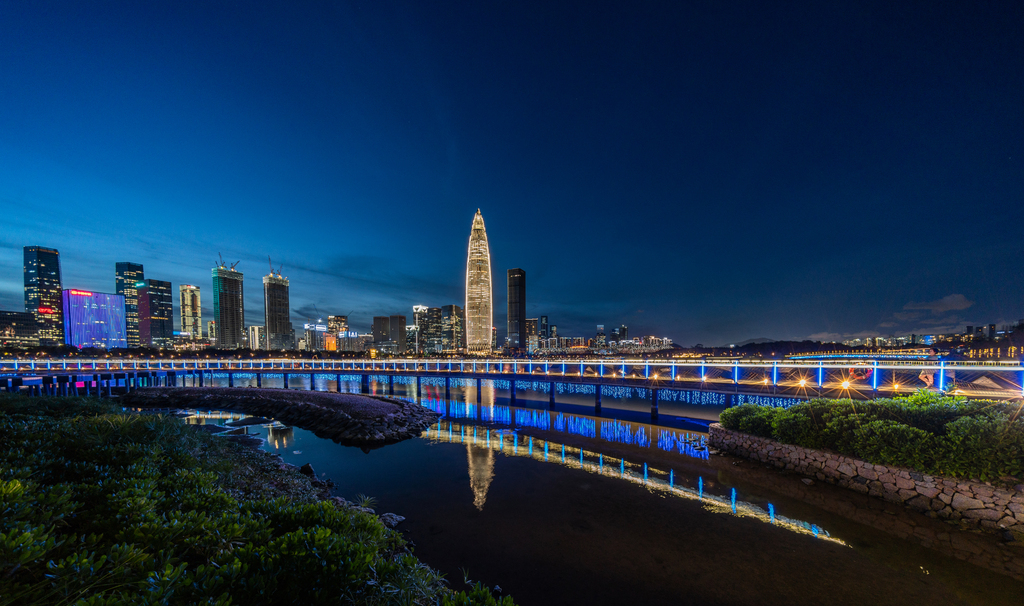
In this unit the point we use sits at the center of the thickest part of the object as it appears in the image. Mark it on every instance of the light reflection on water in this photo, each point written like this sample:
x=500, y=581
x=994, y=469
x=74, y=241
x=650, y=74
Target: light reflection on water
x=406, y=474
x=483, y=443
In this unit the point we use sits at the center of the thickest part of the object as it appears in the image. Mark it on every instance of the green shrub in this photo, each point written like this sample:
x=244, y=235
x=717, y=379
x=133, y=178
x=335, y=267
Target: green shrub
x=794, y=427
x=105, y=508
x=925, y=431
x=749, y=418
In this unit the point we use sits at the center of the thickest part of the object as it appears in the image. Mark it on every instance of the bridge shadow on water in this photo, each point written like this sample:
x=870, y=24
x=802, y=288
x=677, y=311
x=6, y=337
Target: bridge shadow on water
x=566, y=507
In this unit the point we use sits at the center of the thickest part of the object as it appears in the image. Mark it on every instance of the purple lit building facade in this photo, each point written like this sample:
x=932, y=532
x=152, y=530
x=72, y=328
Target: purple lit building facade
x=94, y=319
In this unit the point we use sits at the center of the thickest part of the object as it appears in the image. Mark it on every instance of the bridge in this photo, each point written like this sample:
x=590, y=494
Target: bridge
x=722, y=383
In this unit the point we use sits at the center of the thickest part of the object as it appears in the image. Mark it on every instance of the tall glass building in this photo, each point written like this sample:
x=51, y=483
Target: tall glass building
x=191, y=311
x=18, y=329
x=43, y=293
x=479, y=309
x=94, y=319
x=516, y=309
x=228, y=307
x=453, y=333
x=277, y=312
x=156, y=313
x=126, y=277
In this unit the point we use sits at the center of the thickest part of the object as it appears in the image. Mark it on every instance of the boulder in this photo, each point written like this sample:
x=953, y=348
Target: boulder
x=391, y=519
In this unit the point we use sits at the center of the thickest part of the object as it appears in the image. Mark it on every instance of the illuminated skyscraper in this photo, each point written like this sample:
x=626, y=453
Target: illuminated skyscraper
x=156, y=313
x=126, y=276
x=453, y=332
x=516, y=309
x=277, y=312
x=479, y=311
x=43, y=293
x=191, y=311
x=228, y=307
x=430, y=330
x=419, y=319
x=94, y=319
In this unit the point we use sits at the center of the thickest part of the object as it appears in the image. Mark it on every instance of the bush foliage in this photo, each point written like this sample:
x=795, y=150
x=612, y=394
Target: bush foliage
x=928, y=432
x=101, y=508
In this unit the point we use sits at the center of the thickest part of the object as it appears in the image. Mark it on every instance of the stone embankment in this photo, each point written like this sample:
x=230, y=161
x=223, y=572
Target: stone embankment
x=971, y=502
x=349, y=419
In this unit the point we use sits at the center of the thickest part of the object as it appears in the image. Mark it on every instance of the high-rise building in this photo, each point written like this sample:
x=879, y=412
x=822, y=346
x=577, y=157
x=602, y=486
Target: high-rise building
x=479, y=311
x=277, y=312
x=191, y=311
x=516, y=334
x=532, y=327
x=18, y=329
x=228, y=307
x=155, y=313
x=44, y=296
x=453, y=331
x=381, y=329
x=398, y=334
x=623, y=333
x=430, y=331
x=211, y=332
x=315, y=336
x=389, y=334
x=126, y=276
x=257, y=337
x=542, y=329
x=599, y=341
x=94, y=319
x=419, y=318
x=336, y=324
x=553, y=331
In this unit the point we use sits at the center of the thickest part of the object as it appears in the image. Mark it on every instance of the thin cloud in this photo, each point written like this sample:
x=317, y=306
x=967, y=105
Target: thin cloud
x=946, y=304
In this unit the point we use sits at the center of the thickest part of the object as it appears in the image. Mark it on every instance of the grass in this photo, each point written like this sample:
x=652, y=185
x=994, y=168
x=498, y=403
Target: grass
x=101, y=508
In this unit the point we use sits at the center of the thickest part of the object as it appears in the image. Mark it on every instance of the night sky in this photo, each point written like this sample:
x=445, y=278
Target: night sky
x=707, y=171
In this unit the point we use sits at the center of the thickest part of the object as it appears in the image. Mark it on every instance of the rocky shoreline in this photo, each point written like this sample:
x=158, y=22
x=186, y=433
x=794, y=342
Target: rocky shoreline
x=968, y=502
x=348, y=419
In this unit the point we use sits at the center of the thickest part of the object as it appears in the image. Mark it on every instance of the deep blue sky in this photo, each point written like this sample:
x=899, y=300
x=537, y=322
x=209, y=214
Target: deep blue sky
x=707, y=171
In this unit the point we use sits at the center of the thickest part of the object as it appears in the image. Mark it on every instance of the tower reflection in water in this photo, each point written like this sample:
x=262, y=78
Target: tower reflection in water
x=490, y=430
x=481, y=472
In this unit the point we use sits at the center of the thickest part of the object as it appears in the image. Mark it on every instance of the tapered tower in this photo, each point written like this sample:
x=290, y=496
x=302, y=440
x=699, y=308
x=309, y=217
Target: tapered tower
x=479, y=310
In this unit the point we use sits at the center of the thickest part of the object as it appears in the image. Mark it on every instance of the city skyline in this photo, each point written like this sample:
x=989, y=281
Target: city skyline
x=889, y=197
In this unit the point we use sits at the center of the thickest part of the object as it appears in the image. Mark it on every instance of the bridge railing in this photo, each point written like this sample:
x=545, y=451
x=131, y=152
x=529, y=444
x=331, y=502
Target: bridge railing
x=1001, y=380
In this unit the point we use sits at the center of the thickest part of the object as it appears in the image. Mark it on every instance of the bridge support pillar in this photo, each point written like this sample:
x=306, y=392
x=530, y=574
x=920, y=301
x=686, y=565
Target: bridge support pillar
x=551, y=395
x=391, y=385
x=202, y=375
x=512, y=390
x=479, y=390
x=337, y=381
x=259, y=379
x=447, y=388
x=312, y=382
x=419, y=387
x=597, y=399
x=231, y=379
x=654, y=404
x=364, y=384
